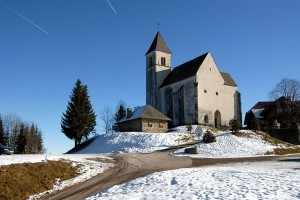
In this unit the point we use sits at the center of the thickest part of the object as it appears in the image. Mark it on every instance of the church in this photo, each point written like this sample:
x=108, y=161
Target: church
x=195, y=92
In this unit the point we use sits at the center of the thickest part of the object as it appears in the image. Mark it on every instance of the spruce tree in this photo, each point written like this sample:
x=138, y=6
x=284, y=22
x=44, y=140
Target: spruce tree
x=120, y=114
x=2, y=133
x=79, y=120
x=21, y=140
x=39, y=142
x=235, y=125
x=30, y=140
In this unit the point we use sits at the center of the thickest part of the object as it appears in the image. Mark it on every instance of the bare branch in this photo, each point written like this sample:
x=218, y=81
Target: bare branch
x=107, y=117
x=288, y=88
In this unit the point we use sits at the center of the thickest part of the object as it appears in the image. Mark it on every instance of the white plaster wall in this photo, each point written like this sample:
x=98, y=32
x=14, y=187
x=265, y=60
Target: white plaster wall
x=210, y=80
x=158, y=73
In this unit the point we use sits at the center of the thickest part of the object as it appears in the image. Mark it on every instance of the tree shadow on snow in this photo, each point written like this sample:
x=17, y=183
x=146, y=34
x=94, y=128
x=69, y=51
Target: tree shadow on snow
x=290, y=160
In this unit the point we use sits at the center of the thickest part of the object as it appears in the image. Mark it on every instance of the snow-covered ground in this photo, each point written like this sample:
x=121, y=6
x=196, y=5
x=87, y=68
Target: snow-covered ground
x=228, y=145
x=88, y=168
x=134, y=142
x=265, y=180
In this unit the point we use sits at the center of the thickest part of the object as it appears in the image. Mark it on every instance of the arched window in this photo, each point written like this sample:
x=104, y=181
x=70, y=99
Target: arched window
x=206, y=119
x=217, y=119
x=163, y=61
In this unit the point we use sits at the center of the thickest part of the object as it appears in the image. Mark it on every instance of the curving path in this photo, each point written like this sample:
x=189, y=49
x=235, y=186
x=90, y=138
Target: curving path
x=131, y=166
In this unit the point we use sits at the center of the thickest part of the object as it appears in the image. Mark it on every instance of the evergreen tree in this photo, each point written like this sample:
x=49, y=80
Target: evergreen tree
x=21, y=140
x=2, y=133
x=79, y=120
x=39, y=148
x=120, y=114
x=209, y=137
x=30, y=140
x=235, y=125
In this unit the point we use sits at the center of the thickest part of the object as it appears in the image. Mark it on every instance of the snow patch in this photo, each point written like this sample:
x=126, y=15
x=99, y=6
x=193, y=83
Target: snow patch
x=133, y=142
x=230, y=146
x=266, y=180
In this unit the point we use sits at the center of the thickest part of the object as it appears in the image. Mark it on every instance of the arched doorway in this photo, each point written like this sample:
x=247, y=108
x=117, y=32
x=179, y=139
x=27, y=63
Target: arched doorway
x=217, y=119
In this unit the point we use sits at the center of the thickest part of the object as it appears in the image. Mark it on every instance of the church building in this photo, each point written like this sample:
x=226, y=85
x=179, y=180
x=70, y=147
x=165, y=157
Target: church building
x=195, y=92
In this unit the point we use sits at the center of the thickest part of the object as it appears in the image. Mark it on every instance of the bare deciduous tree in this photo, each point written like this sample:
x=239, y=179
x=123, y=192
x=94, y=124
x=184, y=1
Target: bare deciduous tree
x=287, y=96
x=32, y=136
x=107, y=116
x=12, y=124
x=288, y=88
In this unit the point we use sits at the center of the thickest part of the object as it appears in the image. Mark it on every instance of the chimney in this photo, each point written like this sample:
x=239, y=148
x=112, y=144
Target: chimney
x=129, y=113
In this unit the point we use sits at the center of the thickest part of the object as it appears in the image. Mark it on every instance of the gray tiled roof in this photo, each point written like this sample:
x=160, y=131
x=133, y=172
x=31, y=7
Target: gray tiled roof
x=159, y=44
x=228, y=80
x=184, y=71
x=189, y=69
x=261, y=104
x=146, y=112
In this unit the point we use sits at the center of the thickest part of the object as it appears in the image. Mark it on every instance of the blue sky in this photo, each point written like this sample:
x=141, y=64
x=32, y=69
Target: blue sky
x=45, y=45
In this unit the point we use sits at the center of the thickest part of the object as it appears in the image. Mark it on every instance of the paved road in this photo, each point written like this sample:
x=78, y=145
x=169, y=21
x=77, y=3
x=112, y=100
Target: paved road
x=131, y=166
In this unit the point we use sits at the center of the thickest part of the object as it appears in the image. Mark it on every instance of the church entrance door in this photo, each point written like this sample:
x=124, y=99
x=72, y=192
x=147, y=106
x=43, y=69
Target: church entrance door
x=217, y=119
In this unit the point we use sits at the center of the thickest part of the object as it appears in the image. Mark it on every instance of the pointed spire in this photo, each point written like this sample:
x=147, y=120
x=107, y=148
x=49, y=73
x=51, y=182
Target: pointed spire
x=159, y=44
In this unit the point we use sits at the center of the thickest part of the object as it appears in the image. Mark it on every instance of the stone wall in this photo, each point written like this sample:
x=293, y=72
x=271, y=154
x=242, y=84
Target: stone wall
x=131, y=126
x=144, y=125
x=188, y=89
x=155, y=126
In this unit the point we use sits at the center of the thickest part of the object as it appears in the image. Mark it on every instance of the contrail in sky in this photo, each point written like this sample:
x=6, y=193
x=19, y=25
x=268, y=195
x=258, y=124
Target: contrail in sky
x=111, y=6
x=23, y=17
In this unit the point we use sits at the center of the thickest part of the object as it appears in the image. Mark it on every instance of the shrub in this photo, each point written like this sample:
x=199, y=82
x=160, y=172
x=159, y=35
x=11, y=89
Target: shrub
x=192, y=150
x=189, y=128
x=208, y=137
x=235, y=125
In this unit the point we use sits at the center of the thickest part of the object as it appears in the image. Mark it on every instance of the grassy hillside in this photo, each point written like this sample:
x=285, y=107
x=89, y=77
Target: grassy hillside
x=283, y=148
x=18, y=181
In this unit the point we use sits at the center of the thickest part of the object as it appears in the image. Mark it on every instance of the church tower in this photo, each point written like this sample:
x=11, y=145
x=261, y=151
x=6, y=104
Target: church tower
x=158, y=66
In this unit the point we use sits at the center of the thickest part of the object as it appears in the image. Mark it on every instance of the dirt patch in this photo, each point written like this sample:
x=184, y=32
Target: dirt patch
x=18, y=181
x=284, y=151
x=103, y=160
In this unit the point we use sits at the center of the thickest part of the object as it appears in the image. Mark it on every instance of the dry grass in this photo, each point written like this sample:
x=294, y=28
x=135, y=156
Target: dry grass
x=18, y=181
x=284, y=151
x=283, y=148
x=241, y=134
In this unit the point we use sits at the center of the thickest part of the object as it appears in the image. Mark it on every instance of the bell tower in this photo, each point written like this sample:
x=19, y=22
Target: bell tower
x=158, y=66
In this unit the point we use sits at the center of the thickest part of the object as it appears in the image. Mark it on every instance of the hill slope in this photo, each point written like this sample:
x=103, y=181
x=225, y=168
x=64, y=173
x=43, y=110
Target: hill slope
x=227, y=145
